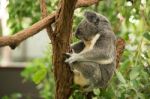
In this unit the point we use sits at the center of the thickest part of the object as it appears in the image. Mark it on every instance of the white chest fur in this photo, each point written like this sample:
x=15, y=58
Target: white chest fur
x=89, y=45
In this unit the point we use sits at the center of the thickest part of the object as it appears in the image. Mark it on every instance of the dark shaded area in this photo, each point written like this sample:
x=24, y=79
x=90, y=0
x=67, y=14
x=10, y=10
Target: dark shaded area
x=12, y=82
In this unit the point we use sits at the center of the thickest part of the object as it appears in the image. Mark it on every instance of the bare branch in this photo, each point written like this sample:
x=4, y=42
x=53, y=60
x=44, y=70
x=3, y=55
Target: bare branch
x=85, y=3
x=43, y=8
x=15, y=40
x=44, y=14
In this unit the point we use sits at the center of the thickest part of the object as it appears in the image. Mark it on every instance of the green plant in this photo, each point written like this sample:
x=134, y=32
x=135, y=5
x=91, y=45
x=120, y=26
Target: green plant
x=40, y=72
x=24, y=13
x=13, y=96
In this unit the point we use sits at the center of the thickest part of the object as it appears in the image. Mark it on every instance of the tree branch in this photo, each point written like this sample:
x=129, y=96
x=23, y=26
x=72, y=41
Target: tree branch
x=44, y=14
x=85, y=3
x=17, y=38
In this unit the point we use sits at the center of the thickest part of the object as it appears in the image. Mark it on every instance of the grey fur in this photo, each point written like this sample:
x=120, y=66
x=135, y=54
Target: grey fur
x=89, y=62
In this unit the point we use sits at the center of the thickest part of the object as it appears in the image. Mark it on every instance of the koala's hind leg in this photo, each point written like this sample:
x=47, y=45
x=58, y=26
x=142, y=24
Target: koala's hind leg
x=79, y=79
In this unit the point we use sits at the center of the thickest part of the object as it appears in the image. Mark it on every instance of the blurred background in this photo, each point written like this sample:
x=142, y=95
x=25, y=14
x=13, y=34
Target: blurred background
x=26, y=72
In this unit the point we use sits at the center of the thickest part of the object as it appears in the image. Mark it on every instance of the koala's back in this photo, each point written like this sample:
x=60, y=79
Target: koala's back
x=107, y=72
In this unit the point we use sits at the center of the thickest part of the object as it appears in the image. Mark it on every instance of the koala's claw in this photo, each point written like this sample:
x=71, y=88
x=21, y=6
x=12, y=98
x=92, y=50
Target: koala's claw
x=66, y=61
x=69, y=54
x=73, y=57
x=70, y=60
x=72, y=50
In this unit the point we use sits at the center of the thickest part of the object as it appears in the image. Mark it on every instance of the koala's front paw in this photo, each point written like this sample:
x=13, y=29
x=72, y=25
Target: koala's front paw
x=73, y=58
x=70, y=60
x=66, y=55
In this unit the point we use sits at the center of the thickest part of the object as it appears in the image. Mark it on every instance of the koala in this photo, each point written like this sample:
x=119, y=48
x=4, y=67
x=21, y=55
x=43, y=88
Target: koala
x=93, y=58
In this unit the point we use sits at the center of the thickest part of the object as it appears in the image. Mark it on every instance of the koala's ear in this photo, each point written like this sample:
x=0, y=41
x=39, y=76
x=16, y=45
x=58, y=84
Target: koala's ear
x=91, y=17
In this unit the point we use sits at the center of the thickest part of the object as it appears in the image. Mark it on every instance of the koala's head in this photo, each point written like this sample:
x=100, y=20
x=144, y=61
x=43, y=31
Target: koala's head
x=89, y=26
x=95, y=18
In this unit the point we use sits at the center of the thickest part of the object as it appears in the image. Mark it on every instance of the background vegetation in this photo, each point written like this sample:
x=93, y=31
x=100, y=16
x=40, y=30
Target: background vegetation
x=130, y=20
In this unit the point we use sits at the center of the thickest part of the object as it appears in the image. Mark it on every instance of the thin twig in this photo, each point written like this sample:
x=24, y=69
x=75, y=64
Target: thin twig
x=44, y=14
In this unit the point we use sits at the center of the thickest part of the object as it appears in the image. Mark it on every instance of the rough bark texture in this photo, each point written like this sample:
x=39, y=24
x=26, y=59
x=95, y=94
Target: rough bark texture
x=61, y=45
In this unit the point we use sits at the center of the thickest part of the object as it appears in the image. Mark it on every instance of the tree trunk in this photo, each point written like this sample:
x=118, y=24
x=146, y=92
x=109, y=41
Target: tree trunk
x=61, y=41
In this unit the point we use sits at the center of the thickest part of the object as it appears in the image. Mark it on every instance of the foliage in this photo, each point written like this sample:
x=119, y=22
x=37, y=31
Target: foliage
x=24, y=13
x=40, y=72
x=13, y=96
x=130, y=20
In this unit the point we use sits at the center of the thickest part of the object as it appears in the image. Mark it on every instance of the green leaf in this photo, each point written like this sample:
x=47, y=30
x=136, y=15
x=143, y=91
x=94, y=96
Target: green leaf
x=5, y=97
x=39, y=75
x=120, y=77
x=96, y=91
x=147, y=35
x=134, y=73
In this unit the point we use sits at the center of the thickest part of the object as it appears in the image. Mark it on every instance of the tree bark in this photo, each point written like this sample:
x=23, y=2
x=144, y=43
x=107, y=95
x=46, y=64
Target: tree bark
x=44, y=14
x=61, y=43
